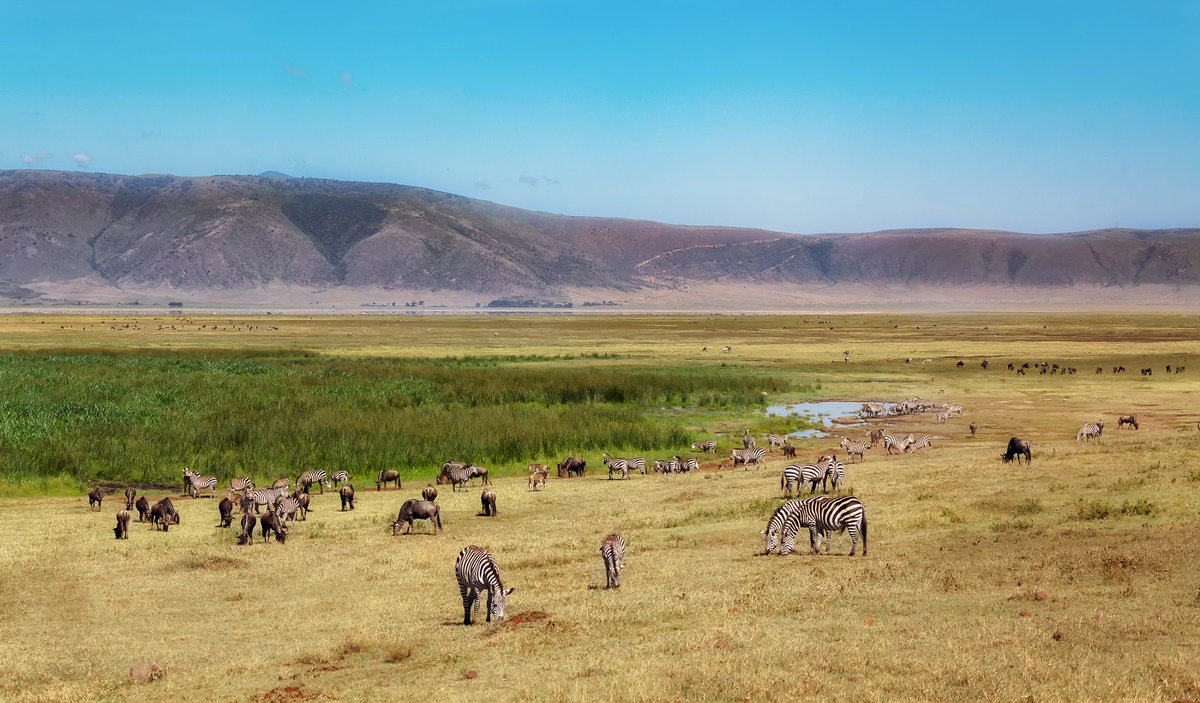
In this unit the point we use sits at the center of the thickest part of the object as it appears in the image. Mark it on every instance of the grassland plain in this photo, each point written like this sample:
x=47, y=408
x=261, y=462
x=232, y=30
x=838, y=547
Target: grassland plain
x=1073, y=579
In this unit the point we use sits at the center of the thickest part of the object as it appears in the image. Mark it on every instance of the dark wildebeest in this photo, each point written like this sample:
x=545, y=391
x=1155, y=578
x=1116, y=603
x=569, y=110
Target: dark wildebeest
x=570, y=466
x=163, y=514
x=1130, y=420
x=130, y=494
x=143, y=508
x=271, y=523
x=973, y=428
x=789, y=451
x=480, y=473
x=1017, y=447
x=95, y=497
x=347, y=494
x=303, y=499
x=875, y=435
x=414, y=509
x=387, y=476
x=226, y=508
x=429, y=492
x=247, y=536
x=122, y=528
x=984, y=364
x=488, y=499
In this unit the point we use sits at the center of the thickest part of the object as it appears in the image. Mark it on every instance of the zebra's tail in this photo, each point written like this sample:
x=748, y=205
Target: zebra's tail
x=864, y=532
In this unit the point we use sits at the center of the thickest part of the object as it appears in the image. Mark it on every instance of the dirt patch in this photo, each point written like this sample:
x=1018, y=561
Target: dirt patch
x=287, y=694
x=528, y=616
x=216, y=563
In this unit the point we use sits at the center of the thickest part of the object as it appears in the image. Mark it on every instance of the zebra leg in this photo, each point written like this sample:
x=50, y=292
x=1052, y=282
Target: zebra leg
x=853, y=539
x=814, y=540
x=468, y=597
x=489, y=606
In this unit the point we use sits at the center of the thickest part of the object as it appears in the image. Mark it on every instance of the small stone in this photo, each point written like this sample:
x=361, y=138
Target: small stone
x=471, y=674
x=1041, y=595
x=145, y=672
x=1025, y=613
x=1058, y=636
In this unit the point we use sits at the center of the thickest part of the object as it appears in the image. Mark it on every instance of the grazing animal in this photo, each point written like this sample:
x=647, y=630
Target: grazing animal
x=854, y=447
x=959, y=364
x=340, y=478
x=303, y=500
x=308, y=478
x=973, y=428
x=688, y=465
x=1090, y=431
x=890, y=442
x=571, y=466
x=789, y=452
x=272, y=522
x=747, y=456
x=622, y=466
x=1127, y=420
x=347, y=494
x=708, y=447
x=476, y=572
x=414, y=509
x=778, y=518
x=226, y=509
x=480, y=473
x=876, y=436
x=776, y=440
x=264, y=496
x=835, y=473
x=286, y=509
x=539, y=476
x=1017, y=448
x=143, y=508
x=488, y=499
x=130, y=494
x=429, y=492
x=388, y=476
x=163, y=514
x=747, y=439
x=984, y=364
x=456, y=473
x=96, y=497
x=822, y=517
x=196, y=483
x=794, y=475
x=872, y=410
x=247, y=535
x=283, y=482
x=942, y=417
x=122, y=528
x=240, y=483
x=1147, y=372
x=922, y=442
x=612, y=550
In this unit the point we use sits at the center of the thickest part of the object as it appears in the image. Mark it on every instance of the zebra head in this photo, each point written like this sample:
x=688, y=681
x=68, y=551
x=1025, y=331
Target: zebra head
x=772, y=540
x=499, y=603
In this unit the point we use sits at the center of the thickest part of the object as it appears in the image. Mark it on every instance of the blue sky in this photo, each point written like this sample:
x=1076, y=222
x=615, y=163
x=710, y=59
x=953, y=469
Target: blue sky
x=794, y=116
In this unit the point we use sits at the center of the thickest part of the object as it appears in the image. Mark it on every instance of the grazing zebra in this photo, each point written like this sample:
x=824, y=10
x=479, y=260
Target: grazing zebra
x=890, y=442
x=476, y=571
x=776, y=440
x=455, y=473
x=130, y=494
x=747, y=456
x=198, y=483
x=688, y=465
x=747, y=439
x=796, y=475
x=340, y=478
x=954, y=410
x=709, y=447
x=922, y=442
x=853, y=447
x=613, y=553
x=308, y=478
x=265, y=496
x=1090, y=431
x=823, y=516
x=778, y=518
x=286, y=508
x=240, y=483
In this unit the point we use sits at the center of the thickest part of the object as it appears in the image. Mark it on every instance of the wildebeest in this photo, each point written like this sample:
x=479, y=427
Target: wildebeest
x=122, y=528
x=789, y=451
x=143, y=508
x=488, y=499
x=130, y=494
x=1130, y=420
x=414, y=509
x=303, y=499
x=1017, y=447
x=347, y=494
x=984, y=364
x=875, y=435
x=973, y=427
x=1147, y=372
x=226, y=508
x=271, y=522
x=429, y=492
x=95, y=497
x=570, y=466
x=480, y=473
x=387, y=476
x=163, y=514
x=247, y=535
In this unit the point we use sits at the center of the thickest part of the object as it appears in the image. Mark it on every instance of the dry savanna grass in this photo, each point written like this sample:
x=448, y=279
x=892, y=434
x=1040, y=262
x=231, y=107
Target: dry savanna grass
x=1072, y=579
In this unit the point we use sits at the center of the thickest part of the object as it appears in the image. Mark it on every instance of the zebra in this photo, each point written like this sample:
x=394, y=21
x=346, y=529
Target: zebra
x=797, y=475
x=265, y=496
x=778, y=518
x=747, y=439
x=456, y=474
x=776, y=440
x=942, y=417
x=688, y=465
x=308, y=478
x=131, y=494
x=709, y=447
x=672, y=466
x=890, y=442
x=198, y=482
x=613, y=553
x=747, y=456
x=922, y=442
x=835, y=473
x=282, y=482
x=1090, y=431
x=823, y=516
x=286, y=508
x=238, y=484
x=623, y=465
x=340, y=478
x=476, y=571
x=853, y=447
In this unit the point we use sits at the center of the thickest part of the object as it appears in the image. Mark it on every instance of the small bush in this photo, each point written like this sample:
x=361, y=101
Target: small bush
x=1095, y=510
x=926, y=496
x=396, y=653
x=951, y=516
x=1141, y=507
x=1194, y=475
x=1057, y=487
x=1029, y=506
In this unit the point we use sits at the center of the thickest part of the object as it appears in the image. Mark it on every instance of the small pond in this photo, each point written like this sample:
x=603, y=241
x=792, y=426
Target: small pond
x=816, y=413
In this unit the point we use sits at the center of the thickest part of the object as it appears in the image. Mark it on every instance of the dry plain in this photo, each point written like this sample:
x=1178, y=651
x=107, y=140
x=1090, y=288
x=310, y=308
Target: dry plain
x=1076, y=578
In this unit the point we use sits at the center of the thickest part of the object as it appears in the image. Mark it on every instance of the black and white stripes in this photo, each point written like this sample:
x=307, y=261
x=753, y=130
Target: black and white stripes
x=196, y=483
x=747, y=456
x=476, y=571
x=613, y=553
x=1090, y=431
x=853, y=447
x=308, y=478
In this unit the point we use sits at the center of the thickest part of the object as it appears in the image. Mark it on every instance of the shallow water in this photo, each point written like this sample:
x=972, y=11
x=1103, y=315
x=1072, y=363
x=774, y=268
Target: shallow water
x=819, y=412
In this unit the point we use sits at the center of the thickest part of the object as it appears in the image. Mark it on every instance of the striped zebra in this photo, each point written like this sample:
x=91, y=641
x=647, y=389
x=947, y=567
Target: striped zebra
x=922, y=442
x=709, y=447
x=238, y=484
x=282, y=482
x=835, y=473
x=778, y=518
x=890, y=442
x=747, y=440
x=456, y=473
x=823, y=516
x=954, y=410
x=286, y=508
x=672, y=466
x=776, y=440
x=942, y=417
x=797, y=475
x=613, y=553
x=688, y=465
x=476, y=571
x=308, y=478
x=853, y=447
x=620, y=466
x=264, y=496
x=1090, y=431
x=198, y=483
x=747, y=456
x=340, y=478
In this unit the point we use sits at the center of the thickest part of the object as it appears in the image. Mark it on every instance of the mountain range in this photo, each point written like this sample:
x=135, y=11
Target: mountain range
x=273, y=239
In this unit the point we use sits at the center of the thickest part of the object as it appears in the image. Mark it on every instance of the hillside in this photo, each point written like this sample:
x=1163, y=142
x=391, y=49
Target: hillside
x=78, y=236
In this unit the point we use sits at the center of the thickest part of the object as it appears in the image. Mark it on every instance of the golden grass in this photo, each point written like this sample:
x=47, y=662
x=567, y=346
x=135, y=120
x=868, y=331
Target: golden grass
x=960, y=544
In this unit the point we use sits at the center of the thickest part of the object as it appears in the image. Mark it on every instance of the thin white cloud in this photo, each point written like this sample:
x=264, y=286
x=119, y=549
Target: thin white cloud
x=32, y=159
x=295, y=70
x=534, y=181
x=82, y=160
